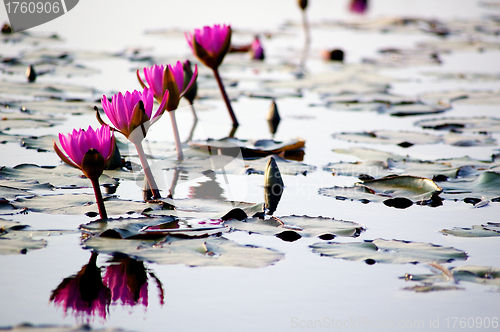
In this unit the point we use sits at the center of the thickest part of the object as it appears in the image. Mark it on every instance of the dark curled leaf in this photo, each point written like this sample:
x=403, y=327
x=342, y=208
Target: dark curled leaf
x=235, y=213
x=398, y=202
x=289, y=236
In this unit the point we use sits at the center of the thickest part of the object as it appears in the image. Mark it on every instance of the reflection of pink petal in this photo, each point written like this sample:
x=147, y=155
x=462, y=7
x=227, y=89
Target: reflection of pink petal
x=118, y=281
x=69, y=297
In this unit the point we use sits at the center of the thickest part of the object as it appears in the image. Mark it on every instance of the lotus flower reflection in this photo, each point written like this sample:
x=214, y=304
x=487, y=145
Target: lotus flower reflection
x=210, y=45
x=88, y=150
x=84, y=293
x=128, y=281
x=132, y=115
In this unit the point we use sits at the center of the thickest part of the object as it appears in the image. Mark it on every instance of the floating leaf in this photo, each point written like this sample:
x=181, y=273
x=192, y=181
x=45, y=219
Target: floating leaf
x=389, y=251
x=475, y=124
x=305, y=226
x=404, y=139
x=18, y=242
x=485, y=186
x=62, y=176
x=6, y=225
x=201, y=208
x=431, y=288
x=369, y=154
x=412, y=187
x=144, y=228
x=488, y=230
x=209, y=251
x=417, y=109
x=78, y=204
x=483, y=275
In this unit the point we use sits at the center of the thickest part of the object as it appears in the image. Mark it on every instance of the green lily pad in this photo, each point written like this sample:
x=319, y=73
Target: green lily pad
x=7, y=225
x=475, y=124
x=78, y=204
x=304, y=226
x=417, y=109
x=483, y=275
x=415, y=189
x=412, y=187
x=485, y=186
x=389, y=251
x=201, y=208
x=487, y=230
x=464, y=97
x=432, y=288
x=18, y=242
x=22, y=121
x=62, y=176
x=57, y=106
x=211, y=251
x=145, y=228
x=404, y=139
x=10, y=193
x=369, y=154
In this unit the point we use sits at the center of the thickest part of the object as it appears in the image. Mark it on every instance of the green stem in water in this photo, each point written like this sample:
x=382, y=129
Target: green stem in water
x=147, y=171
x=98, y=198
x=226, y=99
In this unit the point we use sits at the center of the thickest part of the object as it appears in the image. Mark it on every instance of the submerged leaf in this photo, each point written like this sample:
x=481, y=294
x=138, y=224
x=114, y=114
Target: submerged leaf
x=389, y=251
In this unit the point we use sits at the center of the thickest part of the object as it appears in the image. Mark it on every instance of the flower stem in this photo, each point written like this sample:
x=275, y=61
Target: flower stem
x=226, y=99
x=147, y=171
x=178, y=145
x=193, y=110
x=98, y=198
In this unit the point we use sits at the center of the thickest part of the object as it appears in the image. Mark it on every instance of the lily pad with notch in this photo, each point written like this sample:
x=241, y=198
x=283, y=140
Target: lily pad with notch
x=389, y=251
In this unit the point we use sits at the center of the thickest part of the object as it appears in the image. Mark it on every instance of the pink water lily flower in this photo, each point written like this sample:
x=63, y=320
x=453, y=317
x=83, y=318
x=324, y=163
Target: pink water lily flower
x=132, y=110
x=77, y=144
x=210, y=44
x=89, y=150
x=168, y=78
x=358, y=6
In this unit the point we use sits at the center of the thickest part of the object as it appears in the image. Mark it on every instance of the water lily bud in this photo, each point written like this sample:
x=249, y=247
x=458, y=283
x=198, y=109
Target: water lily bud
x=93, y=164
x=31, y=74
x=273, y=186
x=334, y=55
x=302, y=4
x=190, y=94
x=6, y=29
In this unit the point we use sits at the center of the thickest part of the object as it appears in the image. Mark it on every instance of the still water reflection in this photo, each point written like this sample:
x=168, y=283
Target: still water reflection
x=90, y=292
